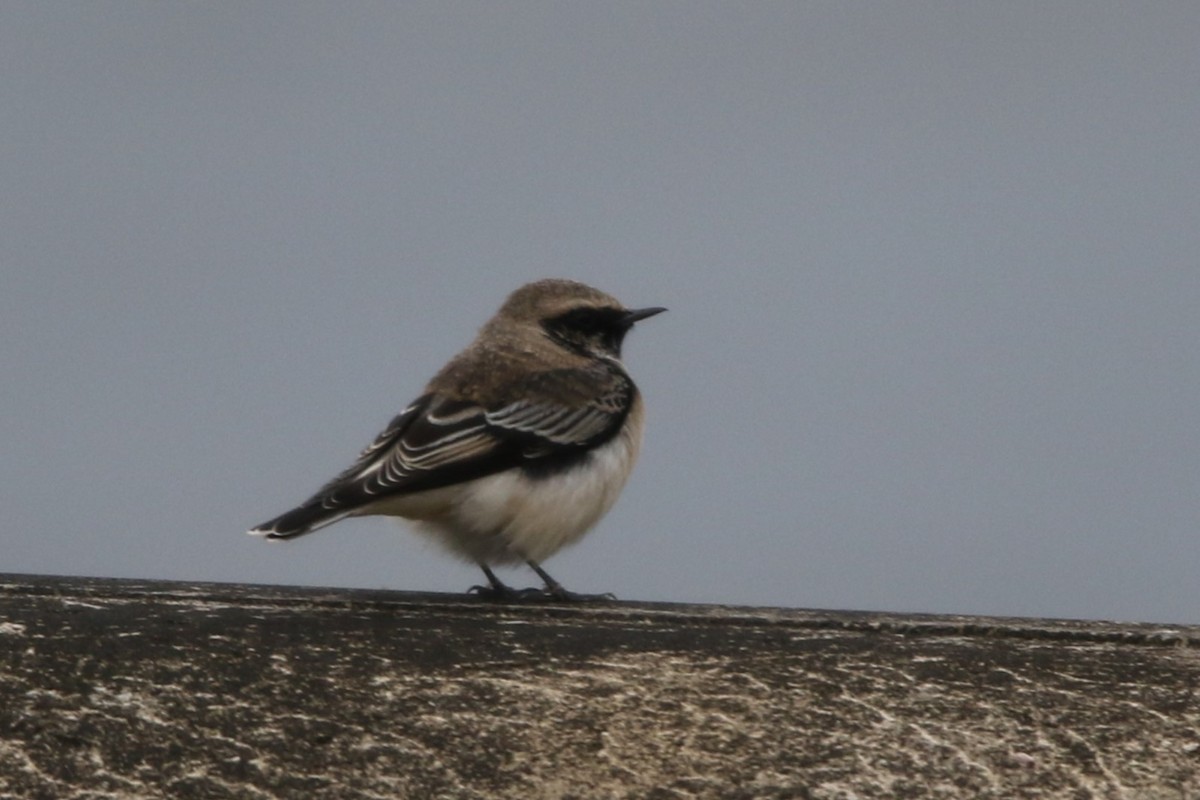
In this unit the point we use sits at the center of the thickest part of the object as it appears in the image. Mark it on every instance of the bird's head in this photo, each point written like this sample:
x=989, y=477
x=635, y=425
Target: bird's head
x=574, y=315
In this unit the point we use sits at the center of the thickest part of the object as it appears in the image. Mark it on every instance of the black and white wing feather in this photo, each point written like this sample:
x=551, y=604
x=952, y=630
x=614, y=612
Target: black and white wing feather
x=438, y=441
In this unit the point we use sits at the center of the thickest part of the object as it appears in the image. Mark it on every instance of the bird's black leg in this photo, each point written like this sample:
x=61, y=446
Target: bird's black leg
x=499, y=591
x=555, y=590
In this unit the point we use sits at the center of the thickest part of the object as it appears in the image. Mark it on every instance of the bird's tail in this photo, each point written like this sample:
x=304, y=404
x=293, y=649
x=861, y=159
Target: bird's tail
x=299, y=521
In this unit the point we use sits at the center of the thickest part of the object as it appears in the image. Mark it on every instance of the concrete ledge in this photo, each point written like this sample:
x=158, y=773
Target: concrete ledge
x=136, y=689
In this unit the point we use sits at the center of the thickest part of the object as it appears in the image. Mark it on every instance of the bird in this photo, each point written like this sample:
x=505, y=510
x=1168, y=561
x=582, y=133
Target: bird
x=517, y=446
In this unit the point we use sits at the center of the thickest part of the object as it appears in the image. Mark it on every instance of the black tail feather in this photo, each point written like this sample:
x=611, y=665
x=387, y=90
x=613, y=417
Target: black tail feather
x=299, y=521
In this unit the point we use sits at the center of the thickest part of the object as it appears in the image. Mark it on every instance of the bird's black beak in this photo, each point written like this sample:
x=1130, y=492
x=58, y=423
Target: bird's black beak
x=639, y=314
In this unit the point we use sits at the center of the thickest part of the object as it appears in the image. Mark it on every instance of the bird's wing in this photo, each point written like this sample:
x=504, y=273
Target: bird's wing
x=563, y=411
x=439, y=441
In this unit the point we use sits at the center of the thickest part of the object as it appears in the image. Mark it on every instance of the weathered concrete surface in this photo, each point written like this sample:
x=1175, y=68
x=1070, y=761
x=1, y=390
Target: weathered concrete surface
x=132, y=690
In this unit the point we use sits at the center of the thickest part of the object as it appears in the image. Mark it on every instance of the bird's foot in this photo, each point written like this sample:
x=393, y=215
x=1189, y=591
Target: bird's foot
x=496, y=591
x=507, y=594
x=555, y=590
x=533, y=594
x=567, y=596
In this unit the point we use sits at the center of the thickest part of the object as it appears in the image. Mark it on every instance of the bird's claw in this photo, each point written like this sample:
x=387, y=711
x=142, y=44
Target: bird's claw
x=533, y=594
x=506, y=594
x=567, y=596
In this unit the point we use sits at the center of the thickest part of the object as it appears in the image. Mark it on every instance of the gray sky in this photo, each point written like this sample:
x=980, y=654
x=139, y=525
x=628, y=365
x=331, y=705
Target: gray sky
x=932, y=272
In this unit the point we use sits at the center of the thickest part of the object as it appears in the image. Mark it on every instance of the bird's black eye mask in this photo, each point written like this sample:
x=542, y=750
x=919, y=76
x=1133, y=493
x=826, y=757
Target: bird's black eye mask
x=579, y=326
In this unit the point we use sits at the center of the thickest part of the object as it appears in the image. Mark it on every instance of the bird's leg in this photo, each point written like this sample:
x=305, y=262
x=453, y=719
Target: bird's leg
x=555, y=590
x=500, y=591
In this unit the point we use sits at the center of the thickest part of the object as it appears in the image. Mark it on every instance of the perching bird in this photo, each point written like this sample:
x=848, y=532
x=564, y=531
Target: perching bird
x=516, y=448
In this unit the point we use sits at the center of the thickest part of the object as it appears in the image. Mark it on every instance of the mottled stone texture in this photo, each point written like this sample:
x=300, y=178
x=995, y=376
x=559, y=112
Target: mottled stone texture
x=166, y=690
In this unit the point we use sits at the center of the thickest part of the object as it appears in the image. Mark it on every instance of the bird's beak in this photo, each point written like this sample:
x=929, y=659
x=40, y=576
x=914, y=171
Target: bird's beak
x=639, y=314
